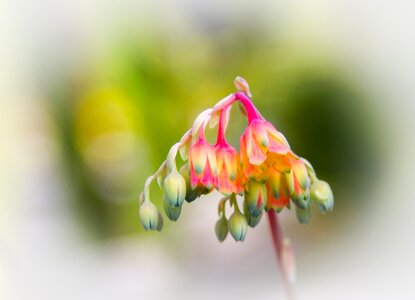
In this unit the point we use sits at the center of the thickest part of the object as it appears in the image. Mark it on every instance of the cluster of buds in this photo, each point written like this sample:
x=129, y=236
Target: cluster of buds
x=265, y=172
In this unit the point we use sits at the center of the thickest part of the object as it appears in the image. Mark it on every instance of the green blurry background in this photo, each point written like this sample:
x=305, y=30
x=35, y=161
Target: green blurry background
x=96, y=93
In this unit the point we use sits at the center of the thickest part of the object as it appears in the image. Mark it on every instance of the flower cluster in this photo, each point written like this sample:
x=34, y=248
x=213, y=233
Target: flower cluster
x=265, y=172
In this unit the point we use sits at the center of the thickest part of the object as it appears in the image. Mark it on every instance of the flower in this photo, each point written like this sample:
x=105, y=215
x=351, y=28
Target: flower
x=298, y=183
x=255, y=197
x=202, y=160
x=261, y=138
x=278, y=194
x=227, y=159
x=191, y=193
x=265, y=171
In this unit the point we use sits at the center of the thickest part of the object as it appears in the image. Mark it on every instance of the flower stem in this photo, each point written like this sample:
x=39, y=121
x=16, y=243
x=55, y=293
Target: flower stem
x=249, y=106
x=277, y=237
x=221, y=129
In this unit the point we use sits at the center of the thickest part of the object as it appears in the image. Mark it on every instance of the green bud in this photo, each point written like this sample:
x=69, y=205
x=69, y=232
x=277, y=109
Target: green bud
x=252, y=221
x=149, y=216
x=175, y=188
x=256, y=197
x=238, y=226
x=302, y=199
x=221, y=229
x=303, y=215
x=322, y=195
x=173, y=213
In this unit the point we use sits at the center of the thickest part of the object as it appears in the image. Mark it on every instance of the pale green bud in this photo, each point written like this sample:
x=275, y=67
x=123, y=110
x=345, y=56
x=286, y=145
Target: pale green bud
x=238, y=226
x=149, y=215
x=173, y=213
x=221, y=229
x=175, y=188
x=322, y=195
x=303, y=215
x=252, y=221
x=256, y=197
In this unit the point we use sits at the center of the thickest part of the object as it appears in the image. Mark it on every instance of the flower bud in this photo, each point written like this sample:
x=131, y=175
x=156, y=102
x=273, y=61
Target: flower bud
x=256, y=197
x=252, y=221
x=173, y=213
x=221, y=229
x=322, y=195
x=175, y=188
x=242, y=85
x=303, y=215
x=302, y=199
x=298, y=184
x=238, y=226
x=149, y=216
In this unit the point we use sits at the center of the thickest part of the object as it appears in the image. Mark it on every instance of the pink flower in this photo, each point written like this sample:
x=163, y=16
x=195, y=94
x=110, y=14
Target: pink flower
x=227, y=160
x=202, y=160
x=261, y=138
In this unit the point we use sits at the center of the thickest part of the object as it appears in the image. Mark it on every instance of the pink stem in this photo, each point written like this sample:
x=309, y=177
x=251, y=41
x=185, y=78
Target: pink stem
x=249, y=106
x=221, y=130
x=276, y=234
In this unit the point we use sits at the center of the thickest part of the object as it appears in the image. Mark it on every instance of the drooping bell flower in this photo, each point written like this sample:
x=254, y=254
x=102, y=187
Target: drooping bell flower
x=192, y=193
x=255, y=197
x=278, y=194
x=261, y=138
x=298, y=182
x=227, y=159
x=202, y=160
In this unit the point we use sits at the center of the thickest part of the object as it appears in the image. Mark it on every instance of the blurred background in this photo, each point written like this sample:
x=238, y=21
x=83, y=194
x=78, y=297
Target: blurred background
x=93, y=94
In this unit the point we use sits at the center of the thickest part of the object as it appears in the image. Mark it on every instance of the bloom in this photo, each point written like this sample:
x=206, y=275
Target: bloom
x=265, y=171
x=298, y=182
x=202, y=161
x=278, y=194
x=261, y=138
x=227, y=160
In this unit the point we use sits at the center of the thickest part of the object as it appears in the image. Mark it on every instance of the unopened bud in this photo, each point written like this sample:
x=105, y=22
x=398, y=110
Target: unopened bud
x=175, y=188
x=221, y=229
x=252, y=221
x=256, y=197
x=238, y=226
x=303, y=215
x=242, y=85
x=149, y=215
x=322, y=195
x=302, y=199
x=173, y=213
